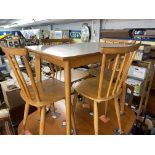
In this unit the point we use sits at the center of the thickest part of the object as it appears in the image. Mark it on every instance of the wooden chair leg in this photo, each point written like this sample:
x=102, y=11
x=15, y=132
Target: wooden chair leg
x=75, y=101
x=90, y=105
x=42, y=121
x=73, y=121
x=106, y=108
x=53, y=107
x=39, y=112
x=73, y=111
x=117, y=113
x=26, y=111
x=123, y=97
x=95, y=118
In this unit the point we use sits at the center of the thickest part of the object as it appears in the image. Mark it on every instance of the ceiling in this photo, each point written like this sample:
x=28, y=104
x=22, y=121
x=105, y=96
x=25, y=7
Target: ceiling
x=7, y=23
x=4, y=22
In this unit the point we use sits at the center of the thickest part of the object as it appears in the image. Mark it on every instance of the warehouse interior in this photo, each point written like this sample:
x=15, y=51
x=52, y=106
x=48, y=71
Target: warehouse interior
x=139, y=94
x=77, y=77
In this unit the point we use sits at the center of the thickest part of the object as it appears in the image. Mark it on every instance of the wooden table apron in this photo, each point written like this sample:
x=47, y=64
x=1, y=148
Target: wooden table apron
x=67, y=64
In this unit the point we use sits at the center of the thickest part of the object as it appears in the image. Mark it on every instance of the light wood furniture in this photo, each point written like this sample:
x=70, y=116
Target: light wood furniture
x=57, y=71
x=67, y=56
x=55, y=41
x=76, y=75
x=83, y=122
x=106, y=87
x=147, y=86
x=118, y=41
x=96, y=71
x=37, y=93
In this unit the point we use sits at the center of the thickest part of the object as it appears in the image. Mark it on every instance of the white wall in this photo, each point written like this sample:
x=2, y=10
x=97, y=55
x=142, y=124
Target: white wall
x=93, y=24
x=46, y=27
x=127, y=23
x=71, y=26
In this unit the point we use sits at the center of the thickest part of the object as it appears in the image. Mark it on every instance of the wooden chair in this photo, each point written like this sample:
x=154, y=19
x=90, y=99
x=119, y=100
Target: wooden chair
x=58, y=72
x=76, y=75
x=95, y=71
x=105, y=87
x=118, y=41
x=55, y=41
x=38, y=93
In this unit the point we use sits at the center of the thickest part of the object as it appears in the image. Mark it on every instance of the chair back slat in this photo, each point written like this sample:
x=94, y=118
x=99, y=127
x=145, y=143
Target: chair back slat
x=56, y=71
x=125, y=71
x=11, y=54
x=16, y=73
x=121, y=57
x=120, y=72
x=103, y=64
x=21, y=76
x=30, y=74
x=113, y=74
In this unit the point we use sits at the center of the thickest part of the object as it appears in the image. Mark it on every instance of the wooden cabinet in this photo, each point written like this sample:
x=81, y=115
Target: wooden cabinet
x=11, y=97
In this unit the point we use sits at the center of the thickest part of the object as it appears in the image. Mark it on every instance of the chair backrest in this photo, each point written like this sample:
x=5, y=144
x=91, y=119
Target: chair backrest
x=118, y=41
x=11, y=54
x=122, y=53
x=55, y=41
x=56, y=71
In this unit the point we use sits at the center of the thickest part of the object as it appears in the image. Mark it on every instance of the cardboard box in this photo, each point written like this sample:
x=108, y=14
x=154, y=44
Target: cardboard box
x=11, y=97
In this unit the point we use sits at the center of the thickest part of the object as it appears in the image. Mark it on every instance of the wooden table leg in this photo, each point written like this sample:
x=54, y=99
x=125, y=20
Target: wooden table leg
x=38, y=67
x=123, y=97
x=67, y=71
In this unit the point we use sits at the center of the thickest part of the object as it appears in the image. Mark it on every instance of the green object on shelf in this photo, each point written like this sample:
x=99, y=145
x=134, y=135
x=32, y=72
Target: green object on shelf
x=137, y=88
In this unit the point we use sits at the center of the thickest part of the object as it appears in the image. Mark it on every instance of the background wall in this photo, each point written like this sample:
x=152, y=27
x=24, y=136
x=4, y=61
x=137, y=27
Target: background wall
x=127, y=23
x=93, y=24
x=46, y=27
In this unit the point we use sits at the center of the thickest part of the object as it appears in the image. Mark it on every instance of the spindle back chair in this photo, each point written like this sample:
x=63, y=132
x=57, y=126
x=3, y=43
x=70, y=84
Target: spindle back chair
x=36, y=93
x=108, y=86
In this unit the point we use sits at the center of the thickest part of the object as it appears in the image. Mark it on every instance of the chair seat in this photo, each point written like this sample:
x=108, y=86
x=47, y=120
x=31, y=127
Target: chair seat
x=50, y=91
x=76, y=75
x=89, y=88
